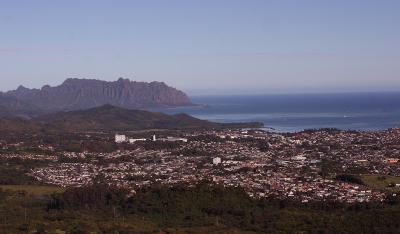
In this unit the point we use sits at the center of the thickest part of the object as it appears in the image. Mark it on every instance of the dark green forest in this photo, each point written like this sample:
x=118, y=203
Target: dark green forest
x=203, y=208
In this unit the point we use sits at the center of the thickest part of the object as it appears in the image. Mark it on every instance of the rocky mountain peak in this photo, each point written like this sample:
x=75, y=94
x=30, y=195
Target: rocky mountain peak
x=77, y=94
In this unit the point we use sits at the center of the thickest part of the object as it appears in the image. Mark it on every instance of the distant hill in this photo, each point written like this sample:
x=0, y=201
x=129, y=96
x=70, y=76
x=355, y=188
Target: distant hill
x=80, y=94
x=111, y=118
x=19, y=125
x=10, y=106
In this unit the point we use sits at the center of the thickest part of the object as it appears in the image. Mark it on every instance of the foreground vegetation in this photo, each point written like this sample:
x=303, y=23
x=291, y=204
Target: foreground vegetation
x=204, y=208
x=35, y=190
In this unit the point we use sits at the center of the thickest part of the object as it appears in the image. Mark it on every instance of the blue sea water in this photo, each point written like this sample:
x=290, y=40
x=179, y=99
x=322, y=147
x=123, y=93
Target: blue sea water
x=296, y=112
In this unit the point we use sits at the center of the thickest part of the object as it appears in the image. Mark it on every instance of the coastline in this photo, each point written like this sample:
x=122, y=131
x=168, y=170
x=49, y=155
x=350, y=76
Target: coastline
x=297, y=112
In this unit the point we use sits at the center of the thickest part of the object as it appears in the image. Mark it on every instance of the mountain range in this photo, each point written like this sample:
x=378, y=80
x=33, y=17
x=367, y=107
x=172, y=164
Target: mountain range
x=10, y=106
x=93, y=105
x=79, y=94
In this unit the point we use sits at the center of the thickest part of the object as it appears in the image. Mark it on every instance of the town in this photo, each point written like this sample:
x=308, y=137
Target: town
x=312, y=165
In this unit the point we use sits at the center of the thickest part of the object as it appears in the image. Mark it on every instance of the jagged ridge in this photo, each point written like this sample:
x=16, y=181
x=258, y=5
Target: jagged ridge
x=78, y=94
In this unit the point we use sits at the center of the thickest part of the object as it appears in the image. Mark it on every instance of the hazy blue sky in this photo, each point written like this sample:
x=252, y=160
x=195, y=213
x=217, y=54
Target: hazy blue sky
x=204, y=46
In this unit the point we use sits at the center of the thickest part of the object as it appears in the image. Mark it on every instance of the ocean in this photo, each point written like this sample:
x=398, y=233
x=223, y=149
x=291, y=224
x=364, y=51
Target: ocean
x=296, y=112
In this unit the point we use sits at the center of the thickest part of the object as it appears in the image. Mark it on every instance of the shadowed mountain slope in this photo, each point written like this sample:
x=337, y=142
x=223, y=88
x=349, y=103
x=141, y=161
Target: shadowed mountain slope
x=110, y=118
x=10, y=106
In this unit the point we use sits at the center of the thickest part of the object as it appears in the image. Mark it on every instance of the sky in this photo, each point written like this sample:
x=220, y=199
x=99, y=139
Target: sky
x=205, y=46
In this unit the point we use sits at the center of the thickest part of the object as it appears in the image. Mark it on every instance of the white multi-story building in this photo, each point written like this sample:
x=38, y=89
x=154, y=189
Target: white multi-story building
x=120, y=138
x=217, y=160
x=173, y=139
x=135, y=140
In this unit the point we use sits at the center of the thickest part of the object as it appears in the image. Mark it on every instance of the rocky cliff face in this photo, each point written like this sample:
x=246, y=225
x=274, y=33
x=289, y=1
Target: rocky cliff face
x=10, y=106
x=76, y=94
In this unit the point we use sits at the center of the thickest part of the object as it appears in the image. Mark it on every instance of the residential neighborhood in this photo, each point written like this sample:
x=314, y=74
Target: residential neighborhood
x=303, y=166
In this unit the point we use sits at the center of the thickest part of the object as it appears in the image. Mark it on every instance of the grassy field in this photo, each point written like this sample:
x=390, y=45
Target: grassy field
x=381, y=181
x=33, y=189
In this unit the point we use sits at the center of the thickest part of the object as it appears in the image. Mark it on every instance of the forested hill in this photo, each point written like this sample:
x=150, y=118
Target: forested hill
x=111, y=118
